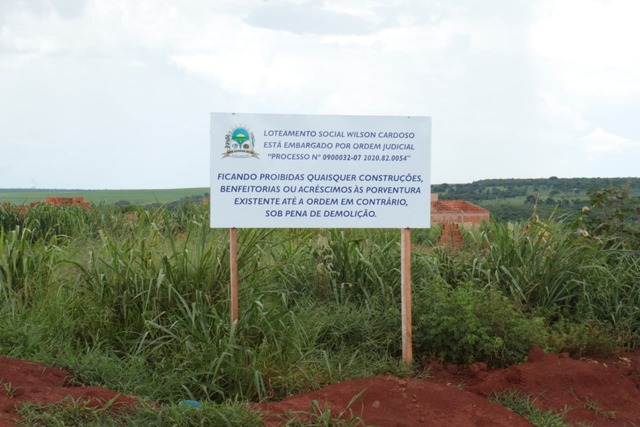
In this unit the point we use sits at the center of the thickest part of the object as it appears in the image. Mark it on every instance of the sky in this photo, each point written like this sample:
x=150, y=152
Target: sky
x=116, y=94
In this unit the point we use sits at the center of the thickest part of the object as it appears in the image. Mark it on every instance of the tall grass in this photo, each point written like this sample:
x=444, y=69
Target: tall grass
x=342, y=265
x=586, y=291
x=138, y=301
x=25, y=264
x=538, y=265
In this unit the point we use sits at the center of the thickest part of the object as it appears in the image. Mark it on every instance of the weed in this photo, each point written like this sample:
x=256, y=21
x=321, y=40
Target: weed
x=422, y=375
x=70, y=412
x=8, y=389
x=593, y=406
x=138, y=301
x=523, y=404
x=579, y=338
x=465, y=324
x=321, y=415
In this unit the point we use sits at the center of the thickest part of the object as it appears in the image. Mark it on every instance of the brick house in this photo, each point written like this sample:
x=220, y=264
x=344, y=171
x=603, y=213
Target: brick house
x=458, y=212
x=455, y=213
x=67, y=201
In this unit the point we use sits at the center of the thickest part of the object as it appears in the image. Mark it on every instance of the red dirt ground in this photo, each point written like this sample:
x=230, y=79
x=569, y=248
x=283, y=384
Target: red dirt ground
x=22, y=381
x=593, y=392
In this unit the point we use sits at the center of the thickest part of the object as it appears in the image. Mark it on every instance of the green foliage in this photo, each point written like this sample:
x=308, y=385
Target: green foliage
x=584, y=338
x=321, y=415
x=165, y=299
x=25, y=263
x=507, y=188
x=426, y=237
x=139, y=303
x=537, y=265
x=137, y=300
x=612, y=217
x=10, y=216
x=367, y=329
x=108, y=197
x=464, y=324
x=513, y=199
x=70, y=412
x=593, y=406
x=343, y=265
x=524, y=404
x=46, y=221
x=615, y=296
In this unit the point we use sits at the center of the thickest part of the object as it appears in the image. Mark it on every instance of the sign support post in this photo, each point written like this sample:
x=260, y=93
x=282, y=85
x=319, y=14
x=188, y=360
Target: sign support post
x=233, y=268
x=405, y=274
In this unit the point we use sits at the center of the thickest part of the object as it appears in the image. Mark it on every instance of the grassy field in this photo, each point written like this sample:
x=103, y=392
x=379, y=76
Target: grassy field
x=134, y=197
x=506, y=199
x=514, y=199
x=138, y=301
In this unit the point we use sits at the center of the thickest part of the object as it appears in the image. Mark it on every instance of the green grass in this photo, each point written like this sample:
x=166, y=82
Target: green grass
x=135, y=197
x=593, y=406
x=321, y=415
x=524, y=404
x=142, y=307
x=139, y=302
x=70, y=412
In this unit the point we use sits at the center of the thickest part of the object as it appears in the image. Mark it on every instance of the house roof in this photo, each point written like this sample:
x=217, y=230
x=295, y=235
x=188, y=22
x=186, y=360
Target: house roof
x=455, y=206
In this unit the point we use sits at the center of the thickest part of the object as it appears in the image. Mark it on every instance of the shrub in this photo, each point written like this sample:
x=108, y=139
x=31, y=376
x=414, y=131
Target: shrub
x=584, y=338
x=537, y=265
x=465, y=324
x=612, y=216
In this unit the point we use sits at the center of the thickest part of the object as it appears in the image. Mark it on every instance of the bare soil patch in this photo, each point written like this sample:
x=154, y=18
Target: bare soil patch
x=602, y=392
x=598, y=392
x=22, y=381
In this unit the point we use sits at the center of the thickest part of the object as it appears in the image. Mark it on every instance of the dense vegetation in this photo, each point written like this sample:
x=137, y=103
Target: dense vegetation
x=506, y=199
x=137, y=299
x=516, y=199
x=19, y=196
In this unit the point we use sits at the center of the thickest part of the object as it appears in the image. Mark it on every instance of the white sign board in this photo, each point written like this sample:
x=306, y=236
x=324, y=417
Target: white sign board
x=310, y=171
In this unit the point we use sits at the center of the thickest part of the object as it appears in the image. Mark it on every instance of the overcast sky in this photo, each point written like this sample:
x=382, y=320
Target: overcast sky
x=108, y=94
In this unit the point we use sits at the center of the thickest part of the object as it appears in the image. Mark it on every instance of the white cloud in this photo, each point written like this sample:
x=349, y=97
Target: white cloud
x=591, y=45
x=600, y=143
x=556, y=111
x=504, y=86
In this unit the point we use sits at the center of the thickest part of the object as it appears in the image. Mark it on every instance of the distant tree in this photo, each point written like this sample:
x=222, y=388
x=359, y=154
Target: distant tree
x=612, y=214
